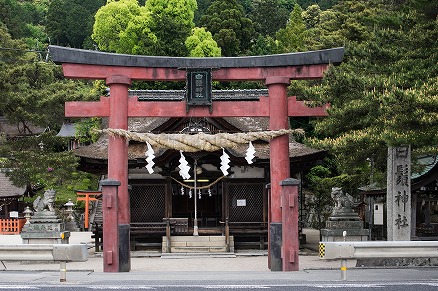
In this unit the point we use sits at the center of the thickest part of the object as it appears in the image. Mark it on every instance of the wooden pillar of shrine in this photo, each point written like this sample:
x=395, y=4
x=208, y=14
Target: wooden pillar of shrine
x=110, y=225
x=290, y=239
x=118, y=164
x=279, y=162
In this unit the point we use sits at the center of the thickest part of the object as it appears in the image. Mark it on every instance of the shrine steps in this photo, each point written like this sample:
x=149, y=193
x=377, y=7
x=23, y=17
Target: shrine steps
x=198, y=244
x=198, y=255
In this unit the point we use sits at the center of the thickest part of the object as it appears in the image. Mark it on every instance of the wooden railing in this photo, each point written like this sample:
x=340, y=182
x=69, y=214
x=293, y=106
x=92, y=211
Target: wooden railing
x=11, y=225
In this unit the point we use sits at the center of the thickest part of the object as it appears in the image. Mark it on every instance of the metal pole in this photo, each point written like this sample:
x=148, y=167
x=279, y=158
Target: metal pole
x=195, y=222
x=344, y=261
x=344, y=269
x=63, y=271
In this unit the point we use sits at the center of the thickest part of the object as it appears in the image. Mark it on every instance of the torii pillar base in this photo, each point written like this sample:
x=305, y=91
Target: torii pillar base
x=110, y=225
x=289, y=204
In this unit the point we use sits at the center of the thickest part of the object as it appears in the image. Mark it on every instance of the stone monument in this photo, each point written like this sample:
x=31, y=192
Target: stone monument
x=44, y=226
x=343, y=218
x=398, y=196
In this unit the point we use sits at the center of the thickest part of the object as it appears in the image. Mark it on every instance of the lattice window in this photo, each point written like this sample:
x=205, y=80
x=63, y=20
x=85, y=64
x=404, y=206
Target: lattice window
x=147, y=203
x=246, y=202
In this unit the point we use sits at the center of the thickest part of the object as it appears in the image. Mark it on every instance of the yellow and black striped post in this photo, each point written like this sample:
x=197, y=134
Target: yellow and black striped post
x=321, y=250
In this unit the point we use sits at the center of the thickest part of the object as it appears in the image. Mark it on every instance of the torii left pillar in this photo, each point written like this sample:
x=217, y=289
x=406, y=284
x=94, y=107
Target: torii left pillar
x=118, y=163
x=279, y=163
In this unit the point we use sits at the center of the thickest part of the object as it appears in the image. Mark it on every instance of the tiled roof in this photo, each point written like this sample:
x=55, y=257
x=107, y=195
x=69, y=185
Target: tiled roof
x=67, y=130
x=7, y=190
x=98, y=150
x=428, y=163
x=175, y=95
x=11, y=130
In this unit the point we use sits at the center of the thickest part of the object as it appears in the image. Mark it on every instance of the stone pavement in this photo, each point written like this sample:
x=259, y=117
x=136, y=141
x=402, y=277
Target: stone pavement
x=243, y=260
x=244, y=267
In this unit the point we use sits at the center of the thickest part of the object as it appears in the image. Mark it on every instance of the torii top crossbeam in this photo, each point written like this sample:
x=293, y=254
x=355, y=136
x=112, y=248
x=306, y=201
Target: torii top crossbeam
x=119, y=71
x=293, y=63
x=85, y=64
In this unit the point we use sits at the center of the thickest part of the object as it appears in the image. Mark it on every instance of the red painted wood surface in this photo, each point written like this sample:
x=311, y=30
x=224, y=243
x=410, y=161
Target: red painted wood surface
x=178, y=108
x=279, y=146
x=11, y=225
x=87, y=196
x=117, y=146
x=110, y=229
x=290, y=238
x=81, y=71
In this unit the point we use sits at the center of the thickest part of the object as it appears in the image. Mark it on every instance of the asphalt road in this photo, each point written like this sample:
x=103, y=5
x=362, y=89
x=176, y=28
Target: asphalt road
x=418, y=279
x=306, y=286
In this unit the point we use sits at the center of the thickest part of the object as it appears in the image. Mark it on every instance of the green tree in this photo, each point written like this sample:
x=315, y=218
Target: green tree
x=385, y=92
x=292, y=38
x=288, y=4
x=311, y=16
x=201, y=44
x=158, y=28
x=112, y=20
x=17, y=15
x=41, y=163
x=268, y=16
x=70, y=23
x=35, y=92
x=232, y=31
x=182, y=11
x=264, y=45
x=16, y=48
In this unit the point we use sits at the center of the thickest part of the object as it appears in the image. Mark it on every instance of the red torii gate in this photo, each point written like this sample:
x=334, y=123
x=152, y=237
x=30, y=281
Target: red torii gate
x=119, y=70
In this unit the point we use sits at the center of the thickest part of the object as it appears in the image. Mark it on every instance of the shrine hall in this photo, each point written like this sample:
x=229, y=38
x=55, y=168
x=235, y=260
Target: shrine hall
x=238, y=200
x=204, y=134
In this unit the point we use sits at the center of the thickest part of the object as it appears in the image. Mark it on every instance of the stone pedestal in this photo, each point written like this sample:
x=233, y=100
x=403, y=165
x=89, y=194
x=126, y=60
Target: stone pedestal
x=349, y=222
x=343, y=218
x=44, y=227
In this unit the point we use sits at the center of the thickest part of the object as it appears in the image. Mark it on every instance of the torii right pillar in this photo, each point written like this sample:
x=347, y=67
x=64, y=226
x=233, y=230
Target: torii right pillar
x=279, y=164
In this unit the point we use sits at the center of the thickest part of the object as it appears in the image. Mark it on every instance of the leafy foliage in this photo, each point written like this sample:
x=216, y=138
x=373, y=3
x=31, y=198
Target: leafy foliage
x=42, y=162
x=113, y=19
x=158, y=28
x=86, y=129
x=232, y=31
x=70, y=23
x=384, y=93
x=34, y=93
x=20, y=16
x=268, y=17
x=293, y=36
x=202, y=44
